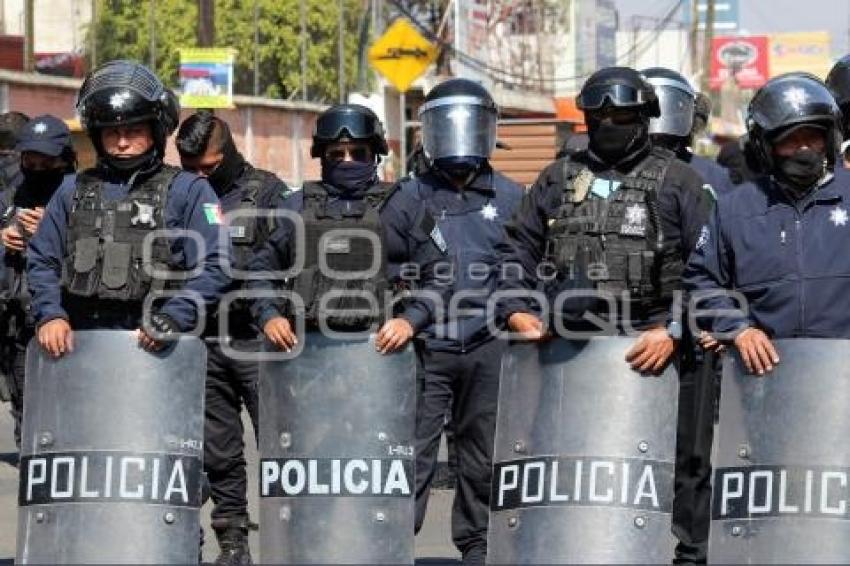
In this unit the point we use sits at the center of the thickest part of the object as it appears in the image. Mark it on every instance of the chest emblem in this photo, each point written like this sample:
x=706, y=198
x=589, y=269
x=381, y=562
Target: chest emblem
x=838, y=216
x=635, y=224
x=489, y=212
x=144, y=215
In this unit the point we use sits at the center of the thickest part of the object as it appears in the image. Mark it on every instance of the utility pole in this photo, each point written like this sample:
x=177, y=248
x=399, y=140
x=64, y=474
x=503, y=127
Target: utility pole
x=341, y=52
x=303, y=13
x=709, y=36
x=256, y=48
x=694, y=37
x=29, y=36
x=152, y=26
x=206, y=23
x=93, y=35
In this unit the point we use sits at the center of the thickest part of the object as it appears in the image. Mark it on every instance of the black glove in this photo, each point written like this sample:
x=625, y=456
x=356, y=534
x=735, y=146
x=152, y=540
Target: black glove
x=164, y=327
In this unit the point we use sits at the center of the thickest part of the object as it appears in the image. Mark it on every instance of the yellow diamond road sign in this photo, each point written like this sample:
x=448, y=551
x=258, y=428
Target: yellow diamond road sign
x=402, y=55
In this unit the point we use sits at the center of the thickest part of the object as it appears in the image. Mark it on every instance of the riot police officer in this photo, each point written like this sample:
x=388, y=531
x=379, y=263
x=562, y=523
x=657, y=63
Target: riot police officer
x=620, y=217
x=675, y=128
x=85, y=264
x=838, y=81
x=465, y=204
x=10, y=173
x=46, y=156
x=349, y=140
x=206, y=148
x=780, y=240
x=674, y=131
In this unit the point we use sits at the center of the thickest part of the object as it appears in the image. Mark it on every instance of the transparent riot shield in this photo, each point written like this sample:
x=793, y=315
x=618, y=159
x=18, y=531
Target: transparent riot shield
x=111, y=452
x=584, y=459
x=336, y=448
x=782, y=459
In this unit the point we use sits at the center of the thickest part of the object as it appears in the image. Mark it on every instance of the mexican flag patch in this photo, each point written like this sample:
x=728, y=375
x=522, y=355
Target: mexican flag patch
x=213, y=213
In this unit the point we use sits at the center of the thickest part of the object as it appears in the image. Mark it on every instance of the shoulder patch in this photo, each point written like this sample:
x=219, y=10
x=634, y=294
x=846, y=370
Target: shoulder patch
x=213, y=213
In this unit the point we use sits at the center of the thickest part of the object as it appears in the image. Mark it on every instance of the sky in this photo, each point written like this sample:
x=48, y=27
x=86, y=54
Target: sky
x=765, y=16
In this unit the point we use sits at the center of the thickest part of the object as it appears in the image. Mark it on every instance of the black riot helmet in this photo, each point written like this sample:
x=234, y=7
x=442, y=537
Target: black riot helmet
x=349, y=121
x=604, y=98
x=838, y=81
x=459, y=123
x=787, y=101
x=622, y=87
x=125, y=92
x=676, y=99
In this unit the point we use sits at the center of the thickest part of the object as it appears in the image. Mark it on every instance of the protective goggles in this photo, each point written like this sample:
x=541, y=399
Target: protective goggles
x=354, y=125
x=594, y=97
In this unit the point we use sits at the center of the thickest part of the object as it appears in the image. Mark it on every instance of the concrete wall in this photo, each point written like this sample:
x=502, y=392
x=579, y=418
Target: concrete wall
x=272, y=134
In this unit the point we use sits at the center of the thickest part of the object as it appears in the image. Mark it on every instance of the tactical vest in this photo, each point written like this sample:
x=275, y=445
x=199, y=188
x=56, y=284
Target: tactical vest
x=104, y=242
x=343, y=254
x=612, y=244
x=248, y=228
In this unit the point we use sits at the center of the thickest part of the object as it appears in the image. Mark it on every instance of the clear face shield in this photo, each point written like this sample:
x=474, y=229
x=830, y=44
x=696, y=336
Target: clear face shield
x=677, y=108
x=458, y=126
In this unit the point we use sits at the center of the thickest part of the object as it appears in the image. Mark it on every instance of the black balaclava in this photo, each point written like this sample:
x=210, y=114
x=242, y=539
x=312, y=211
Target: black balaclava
x=800, y=172
x=231, y=166
x=614, y=143
x=351, y=179
x=38, y=186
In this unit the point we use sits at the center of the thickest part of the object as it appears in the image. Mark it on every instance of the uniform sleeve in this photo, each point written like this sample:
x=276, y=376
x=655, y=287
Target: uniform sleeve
x=273, y=254
x=683, y=208
x=408, y=243
x=45, y=253
x=524, y=245
x=708, y=274
x=200, y=215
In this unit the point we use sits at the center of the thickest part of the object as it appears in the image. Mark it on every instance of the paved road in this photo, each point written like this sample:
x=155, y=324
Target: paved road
x=433, y=545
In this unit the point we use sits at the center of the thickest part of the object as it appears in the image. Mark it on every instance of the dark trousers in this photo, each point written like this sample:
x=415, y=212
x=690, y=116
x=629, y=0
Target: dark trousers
x=692, y=499
x=14, y=352
x=468, y=383
x=230, y=385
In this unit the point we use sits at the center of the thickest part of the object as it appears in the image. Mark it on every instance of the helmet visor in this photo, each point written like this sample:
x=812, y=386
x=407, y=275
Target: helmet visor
x=677, y=112
x=458, y=128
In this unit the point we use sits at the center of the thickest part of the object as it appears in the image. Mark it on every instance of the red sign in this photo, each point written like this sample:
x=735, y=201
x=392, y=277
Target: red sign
x=744, y=57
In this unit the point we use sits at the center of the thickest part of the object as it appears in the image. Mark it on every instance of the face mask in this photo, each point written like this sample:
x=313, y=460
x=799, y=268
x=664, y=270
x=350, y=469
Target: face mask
x=459, y=168
x=613, y=142
x=350, y=176
x=802, y=170
x=41, y=184
x=228, y=170
x=127, y=165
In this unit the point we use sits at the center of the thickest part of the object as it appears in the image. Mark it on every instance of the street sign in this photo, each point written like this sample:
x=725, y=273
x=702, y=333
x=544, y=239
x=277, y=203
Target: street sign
x=402, y=54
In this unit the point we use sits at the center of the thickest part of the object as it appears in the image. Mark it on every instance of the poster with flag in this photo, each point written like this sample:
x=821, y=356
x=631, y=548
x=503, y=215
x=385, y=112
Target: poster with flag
x=206, y=77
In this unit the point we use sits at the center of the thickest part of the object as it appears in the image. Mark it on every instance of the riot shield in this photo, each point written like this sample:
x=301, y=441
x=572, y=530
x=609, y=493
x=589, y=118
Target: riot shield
x=584, y=457
x=782, y=459
x=111, y=452
x=336, y=455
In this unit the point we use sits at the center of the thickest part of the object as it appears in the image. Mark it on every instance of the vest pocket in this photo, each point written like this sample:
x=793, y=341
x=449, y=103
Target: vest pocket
x=84, y=280
x=116, y=265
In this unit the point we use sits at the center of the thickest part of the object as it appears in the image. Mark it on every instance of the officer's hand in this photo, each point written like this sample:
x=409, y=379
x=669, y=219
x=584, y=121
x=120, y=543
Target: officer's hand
x=279, y=332
x=710, y=343
x=393, y=335
x=527, y=325
x=160, y=324
x=29, y=219
x=652, y=351
x=56, y=337
x=756, y=351
x=12, y=239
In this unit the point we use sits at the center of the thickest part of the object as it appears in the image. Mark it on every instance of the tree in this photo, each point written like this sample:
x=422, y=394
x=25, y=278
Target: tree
x=122, y=31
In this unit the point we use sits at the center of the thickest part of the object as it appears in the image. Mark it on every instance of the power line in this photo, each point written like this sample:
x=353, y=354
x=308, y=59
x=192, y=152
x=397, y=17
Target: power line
x=503, y=76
